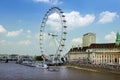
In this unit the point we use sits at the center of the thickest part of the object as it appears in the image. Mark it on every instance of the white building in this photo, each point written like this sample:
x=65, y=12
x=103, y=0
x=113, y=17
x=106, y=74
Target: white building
x=99, y=53
x=105, y=53
x=96, y=53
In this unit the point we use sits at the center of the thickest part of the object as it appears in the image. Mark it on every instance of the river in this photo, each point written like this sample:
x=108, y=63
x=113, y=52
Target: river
x=12, y=71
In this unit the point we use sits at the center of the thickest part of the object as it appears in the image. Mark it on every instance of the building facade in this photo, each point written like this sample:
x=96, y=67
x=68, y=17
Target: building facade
x=97, y=53
x=106, y=53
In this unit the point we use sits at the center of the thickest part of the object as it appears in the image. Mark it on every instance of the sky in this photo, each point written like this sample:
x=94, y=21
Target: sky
x=20, y=22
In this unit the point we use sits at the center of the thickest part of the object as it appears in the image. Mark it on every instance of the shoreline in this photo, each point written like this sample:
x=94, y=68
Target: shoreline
x=100, y=70
x=86, y=69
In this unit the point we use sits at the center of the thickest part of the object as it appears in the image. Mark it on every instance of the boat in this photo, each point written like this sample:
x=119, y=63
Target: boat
x=40, y=65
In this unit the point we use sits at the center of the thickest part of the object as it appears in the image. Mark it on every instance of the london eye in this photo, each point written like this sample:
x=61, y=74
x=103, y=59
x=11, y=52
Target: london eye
x=53, y=37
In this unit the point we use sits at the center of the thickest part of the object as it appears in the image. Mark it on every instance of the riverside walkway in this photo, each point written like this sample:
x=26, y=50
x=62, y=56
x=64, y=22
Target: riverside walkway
x=12, y=71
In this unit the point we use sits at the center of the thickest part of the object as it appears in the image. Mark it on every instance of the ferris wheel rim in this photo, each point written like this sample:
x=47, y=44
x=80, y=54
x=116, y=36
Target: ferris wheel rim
x=63, y=32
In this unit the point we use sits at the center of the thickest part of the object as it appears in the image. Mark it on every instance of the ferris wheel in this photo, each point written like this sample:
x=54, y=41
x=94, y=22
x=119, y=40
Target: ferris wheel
x=53, y=35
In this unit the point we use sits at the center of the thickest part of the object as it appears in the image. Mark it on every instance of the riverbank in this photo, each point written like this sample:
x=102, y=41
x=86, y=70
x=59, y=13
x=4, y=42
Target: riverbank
x=93, y=69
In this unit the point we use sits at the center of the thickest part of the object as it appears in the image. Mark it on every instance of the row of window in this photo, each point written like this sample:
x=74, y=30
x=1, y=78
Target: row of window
x=106, y=60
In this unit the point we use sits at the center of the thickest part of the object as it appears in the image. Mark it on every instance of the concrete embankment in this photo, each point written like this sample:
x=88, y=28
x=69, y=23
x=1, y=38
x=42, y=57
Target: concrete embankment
x=94, y=69
x=87, y=69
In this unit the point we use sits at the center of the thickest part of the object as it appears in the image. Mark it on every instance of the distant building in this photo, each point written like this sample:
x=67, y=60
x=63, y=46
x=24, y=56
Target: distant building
x=88, y=39
x=3, y=56
x=15, y=57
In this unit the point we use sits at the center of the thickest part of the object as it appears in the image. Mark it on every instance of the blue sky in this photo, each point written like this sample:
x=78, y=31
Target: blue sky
x=20, y=22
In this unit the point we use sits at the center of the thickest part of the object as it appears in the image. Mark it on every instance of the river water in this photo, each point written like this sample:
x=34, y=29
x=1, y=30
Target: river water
x=12, y=71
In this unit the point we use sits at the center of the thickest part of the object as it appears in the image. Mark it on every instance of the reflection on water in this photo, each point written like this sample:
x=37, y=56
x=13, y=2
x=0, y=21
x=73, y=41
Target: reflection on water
x=11, y=71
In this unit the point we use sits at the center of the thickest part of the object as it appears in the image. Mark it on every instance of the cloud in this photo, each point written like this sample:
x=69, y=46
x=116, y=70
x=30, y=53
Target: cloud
x=37, y=36
x=110, y=37
x=49, y=1
x=76, y=41
x=14, y=33
x=74, y=20
x=2, y=29
x=24, y=42
x=28, y=35
x=106, y=17
x=54, y=22
x=28, y=31
x=2, y=41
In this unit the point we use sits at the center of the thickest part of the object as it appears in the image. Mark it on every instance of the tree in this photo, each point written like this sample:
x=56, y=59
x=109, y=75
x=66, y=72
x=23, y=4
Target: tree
x=38, y=58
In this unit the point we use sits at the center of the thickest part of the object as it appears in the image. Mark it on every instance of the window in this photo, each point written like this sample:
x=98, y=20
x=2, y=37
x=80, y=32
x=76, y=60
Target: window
x=115, y=60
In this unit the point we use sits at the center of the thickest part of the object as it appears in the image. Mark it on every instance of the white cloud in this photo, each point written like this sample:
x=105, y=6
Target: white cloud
x=24, y=42
x=14, y=33
x=110, y=37
x=2, y=41
x=2, y=29
x=28, y=35
x=54, y=25
x=49, y=1
x=74, y=20
x=54, y=22
x=54, y=16
x=37, y=36
x=106, y=17
x=77, y=41
x=28, y=31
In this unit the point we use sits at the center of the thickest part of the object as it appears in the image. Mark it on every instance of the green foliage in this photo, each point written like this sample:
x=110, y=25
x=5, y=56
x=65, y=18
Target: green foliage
x=38, y=58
